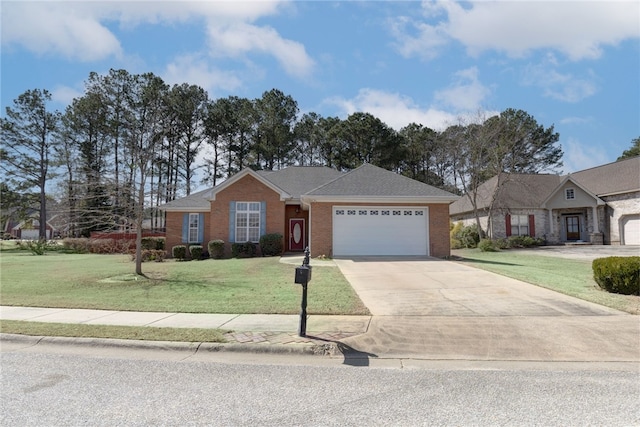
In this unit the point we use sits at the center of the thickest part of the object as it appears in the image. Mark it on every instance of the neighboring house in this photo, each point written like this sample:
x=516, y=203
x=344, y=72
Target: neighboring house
x=27, y=229
x=367, y=211
x=597, y=205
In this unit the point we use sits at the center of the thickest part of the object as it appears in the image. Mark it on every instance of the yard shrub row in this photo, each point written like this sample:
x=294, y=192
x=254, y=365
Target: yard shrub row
x=464, y=236
x=271, y=244
x=98, y=246
x=216, y=249
x=620, y=275
x=243, y=250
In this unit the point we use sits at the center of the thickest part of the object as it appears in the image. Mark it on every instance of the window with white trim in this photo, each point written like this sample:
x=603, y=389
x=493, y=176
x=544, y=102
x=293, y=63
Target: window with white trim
x=519, y=225
x=569, y=194
x=247, y=222
x=194, y=226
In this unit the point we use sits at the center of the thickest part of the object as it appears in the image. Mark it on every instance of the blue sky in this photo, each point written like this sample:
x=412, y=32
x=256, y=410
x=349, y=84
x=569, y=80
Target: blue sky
x=573, y=64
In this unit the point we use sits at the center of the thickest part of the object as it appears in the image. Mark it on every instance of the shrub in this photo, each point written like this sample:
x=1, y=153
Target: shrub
x=620, y=275
x=271, y=244
x=243, y=250
x=195, y=251
x=179, y=252
x=76, y=245
x=153, y=243
x=37, y=247
x=523, y=241
x=454, y=232
x=469, y=236
x=216, y=249
x=111, y=246
x=501, y=244
x=150, y=255
x=487, y=245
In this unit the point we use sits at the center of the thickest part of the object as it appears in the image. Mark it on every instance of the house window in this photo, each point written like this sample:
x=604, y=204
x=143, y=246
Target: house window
x=519, y=225
x=248, y=222
x=569, y=194
x=194, y=227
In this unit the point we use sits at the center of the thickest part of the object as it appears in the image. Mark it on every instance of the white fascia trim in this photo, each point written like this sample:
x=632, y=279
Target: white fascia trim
x=377, y=199
x=617, y=193
x=184, y=209
x=283, y=194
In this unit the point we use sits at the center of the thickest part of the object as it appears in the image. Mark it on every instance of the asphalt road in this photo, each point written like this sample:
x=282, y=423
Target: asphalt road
x=99, y=387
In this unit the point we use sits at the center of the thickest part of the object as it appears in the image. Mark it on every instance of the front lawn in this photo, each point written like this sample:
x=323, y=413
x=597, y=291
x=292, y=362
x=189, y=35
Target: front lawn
x=567, y=276
x=253, y=285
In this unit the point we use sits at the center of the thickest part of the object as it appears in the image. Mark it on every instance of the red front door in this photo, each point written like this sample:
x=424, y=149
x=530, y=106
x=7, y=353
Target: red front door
x=296, y=234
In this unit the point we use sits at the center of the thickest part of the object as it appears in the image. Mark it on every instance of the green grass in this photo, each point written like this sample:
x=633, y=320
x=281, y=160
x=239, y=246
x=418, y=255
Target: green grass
x=146, y=333
x=570, y=277
x=254, y=285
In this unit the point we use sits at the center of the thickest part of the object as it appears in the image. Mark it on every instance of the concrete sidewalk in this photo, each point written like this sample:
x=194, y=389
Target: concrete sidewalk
x=265, y=329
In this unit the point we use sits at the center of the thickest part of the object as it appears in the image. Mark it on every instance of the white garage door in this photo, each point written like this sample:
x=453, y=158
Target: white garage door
x=380, y=231
x=32, y=234
x=631, y=230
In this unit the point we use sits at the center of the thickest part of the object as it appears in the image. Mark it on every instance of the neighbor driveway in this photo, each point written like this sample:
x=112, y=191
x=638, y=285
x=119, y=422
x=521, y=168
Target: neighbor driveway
x=445, y=310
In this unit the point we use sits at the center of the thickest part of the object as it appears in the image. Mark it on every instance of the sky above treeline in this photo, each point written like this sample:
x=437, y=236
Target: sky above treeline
x=571, y=64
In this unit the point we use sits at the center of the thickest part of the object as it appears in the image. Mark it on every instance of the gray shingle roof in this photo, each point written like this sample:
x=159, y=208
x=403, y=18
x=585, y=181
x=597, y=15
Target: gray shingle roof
x=528, y=191
x=199, y=200
x=516, y=190
x=618, y=177
x=370, y=180
x=298, y=180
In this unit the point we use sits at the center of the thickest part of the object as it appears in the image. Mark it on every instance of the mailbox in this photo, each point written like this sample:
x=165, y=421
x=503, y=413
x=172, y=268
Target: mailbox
x=303, y=274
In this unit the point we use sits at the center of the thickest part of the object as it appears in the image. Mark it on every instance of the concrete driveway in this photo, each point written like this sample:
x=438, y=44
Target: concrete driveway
x=445, y=310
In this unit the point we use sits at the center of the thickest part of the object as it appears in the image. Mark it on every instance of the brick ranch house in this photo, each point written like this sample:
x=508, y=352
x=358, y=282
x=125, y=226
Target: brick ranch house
x=367, y=211
x=600, y=205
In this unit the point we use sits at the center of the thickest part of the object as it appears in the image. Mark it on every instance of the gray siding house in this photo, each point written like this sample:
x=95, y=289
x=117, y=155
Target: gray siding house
x=600, y=205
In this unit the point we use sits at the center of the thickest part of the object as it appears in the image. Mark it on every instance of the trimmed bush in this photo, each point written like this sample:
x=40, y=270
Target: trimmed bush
x=150, y=255
x=487, y=245
x=179, y=252
x=153, y=243
x=523, y=242
x=469, y=236
x=620, y=275
x=243, y=250
x=501, y=244
x=216, y=249
x=195, y=251
x=76, y=245
x=454, y=231
x=271, y=244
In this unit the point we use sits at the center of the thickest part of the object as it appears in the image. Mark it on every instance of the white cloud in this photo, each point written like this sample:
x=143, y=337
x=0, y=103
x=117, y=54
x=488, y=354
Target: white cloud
x=557, y=85
x=48, y=28
x=466, y=94
x=394, y=109
x=195, y=70
x=238, y=39
x=579, y=156
x=579, y=29
x=65, y=94
x=78, y=30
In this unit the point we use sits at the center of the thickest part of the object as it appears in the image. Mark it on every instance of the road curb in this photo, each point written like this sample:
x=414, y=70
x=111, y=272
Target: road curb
x=329, y=349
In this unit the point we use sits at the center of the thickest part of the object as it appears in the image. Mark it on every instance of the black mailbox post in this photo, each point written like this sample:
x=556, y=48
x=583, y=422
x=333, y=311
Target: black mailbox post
x=303, y=277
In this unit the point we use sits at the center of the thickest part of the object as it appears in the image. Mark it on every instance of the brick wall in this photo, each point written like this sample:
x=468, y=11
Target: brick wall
x=247, y=189
x=321, y=231
x=173, y=223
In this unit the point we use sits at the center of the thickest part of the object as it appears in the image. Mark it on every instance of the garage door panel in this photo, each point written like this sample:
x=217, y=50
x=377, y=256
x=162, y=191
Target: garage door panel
x=631, y=230
x=358, y=232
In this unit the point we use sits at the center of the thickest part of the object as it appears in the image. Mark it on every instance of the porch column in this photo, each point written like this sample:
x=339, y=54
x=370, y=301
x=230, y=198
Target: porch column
x=596, y=223
x=551, y=221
